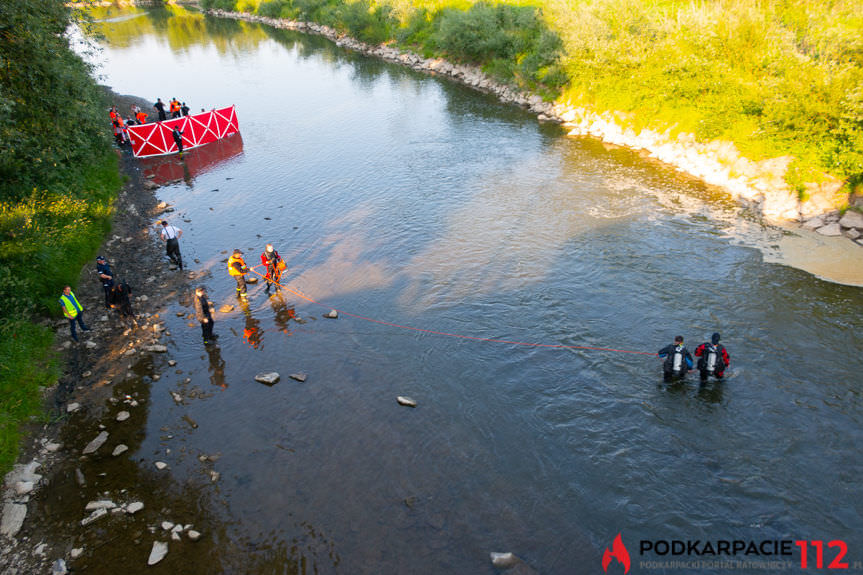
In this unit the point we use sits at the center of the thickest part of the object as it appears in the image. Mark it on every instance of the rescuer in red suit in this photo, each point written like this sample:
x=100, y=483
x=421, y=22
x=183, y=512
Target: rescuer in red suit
x=275, y=266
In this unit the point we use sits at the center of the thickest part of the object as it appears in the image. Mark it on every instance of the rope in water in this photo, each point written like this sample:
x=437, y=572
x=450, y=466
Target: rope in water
x=444, y=333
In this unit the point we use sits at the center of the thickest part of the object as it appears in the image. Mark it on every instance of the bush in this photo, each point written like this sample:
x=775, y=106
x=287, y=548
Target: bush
x=271, y=9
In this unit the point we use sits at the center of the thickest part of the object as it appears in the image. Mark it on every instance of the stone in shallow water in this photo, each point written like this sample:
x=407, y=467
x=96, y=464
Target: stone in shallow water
x=119, y=449
x=158, y=552
x=123, y=416
x=830, y=230
x=134, y=507
x=301, y=377
x=72, y=407
x=407, y=401
x=160, y=465
x=332, y=314
x=268, y=378
x=97, y=442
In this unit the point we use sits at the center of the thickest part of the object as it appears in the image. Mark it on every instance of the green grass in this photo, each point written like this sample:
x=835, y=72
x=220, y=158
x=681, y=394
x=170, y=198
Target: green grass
x=58, y=180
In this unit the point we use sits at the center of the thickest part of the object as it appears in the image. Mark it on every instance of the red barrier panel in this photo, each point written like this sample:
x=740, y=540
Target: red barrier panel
x=155, y=139
x=169, y=169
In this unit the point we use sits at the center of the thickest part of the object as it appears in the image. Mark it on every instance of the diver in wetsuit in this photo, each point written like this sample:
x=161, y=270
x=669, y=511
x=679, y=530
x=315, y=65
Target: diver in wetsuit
x=678, y=360
x=712, y=358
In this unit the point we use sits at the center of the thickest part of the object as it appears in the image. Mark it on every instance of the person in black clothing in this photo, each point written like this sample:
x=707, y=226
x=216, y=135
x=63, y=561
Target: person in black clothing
x=678, y=360
x=120, y=298
x=712, y=358
x=178, y=138
x=203, y=315
x=184, y=109
x=106, y=276
x=160, y=107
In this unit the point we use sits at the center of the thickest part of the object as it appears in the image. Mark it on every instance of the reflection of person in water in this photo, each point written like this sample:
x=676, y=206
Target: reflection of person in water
x=217, y=366
x=252, y=330
x=284, y=314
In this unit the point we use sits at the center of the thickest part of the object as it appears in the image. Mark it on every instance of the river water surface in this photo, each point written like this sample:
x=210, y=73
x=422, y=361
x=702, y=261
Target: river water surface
x=411, y=200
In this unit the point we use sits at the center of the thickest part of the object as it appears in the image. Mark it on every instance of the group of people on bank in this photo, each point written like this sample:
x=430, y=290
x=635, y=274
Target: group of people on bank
x=117, y=296
x=176, y=109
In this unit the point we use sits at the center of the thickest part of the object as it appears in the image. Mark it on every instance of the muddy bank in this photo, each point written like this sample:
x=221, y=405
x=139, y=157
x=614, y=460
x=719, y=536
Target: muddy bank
x=759, y=186
x=77, y=500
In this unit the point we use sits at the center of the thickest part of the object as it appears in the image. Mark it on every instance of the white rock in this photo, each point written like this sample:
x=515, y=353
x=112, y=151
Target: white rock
x=175, y=536
x=503, y=560
x=96, y=443
x=72, y=407
x=134, y=507
x=301, y=377
x=142, y=298
x=23, y=487
x=158, y=552
x=852, y=219
x=177, y=397
x=814, y=223
x=102, y=504
x=403, y=400
x=59, y=567
x=269, y=378
x=13, y=518
x=214, y=476
x=172, y=362
x=119, y=450
x=332, y=314
x=123, y=416
x=160, y=465
x=91, y=344
x=53, y=447
x=77, y=552
x=156, y=348
x=167, y=525
x=193, y=535
x=177, y=528
x=94, y=516
x=830, y=230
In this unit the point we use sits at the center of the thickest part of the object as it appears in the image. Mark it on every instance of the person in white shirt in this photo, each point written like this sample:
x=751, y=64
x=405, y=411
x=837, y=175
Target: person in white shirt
x=171, y=236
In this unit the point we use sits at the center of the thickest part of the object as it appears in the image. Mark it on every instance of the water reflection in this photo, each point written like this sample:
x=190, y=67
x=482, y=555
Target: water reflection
x=216, y=366
x=192, y=163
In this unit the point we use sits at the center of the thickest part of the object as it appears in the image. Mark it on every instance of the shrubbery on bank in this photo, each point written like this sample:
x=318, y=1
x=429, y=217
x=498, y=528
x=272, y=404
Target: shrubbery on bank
x=780, y=77
x=58, y=179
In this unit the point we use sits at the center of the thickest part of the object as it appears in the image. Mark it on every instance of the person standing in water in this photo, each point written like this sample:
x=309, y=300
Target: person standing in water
x=275, y=266
x=678, y=360
x=712, y=358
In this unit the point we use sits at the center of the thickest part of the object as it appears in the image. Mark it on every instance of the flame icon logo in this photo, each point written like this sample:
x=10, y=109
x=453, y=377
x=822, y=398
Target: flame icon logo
x=619, y=552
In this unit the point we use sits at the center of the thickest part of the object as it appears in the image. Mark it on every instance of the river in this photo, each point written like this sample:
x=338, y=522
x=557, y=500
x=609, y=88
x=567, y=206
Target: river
x=411, y=200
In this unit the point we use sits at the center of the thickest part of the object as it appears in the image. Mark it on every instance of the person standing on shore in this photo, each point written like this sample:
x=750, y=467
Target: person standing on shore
x=171, y=236
x=678, y=360
x=175, y=108
x=712, y=358
x=203, y=315
x=160, y=107
x=73, y=311
x=238, y=269
x=275, y=266
x=106, y=276
x=141, y=116
x=178, y=138
x=184, y=109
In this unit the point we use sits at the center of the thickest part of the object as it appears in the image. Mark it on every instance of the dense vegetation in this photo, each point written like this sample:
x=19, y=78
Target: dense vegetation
x=776, y=77
x=58, y=177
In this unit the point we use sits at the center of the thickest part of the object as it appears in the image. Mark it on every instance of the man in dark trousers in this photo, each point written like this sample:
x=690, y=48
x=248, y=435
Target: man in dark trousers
x=159, y=106
x=678, y=360
x=184, y=109
x=171, y=236
x=203, y=315
x=120, y=298
x=712, y=358
x=106, y=276
x=73, y=310
x=178, y=138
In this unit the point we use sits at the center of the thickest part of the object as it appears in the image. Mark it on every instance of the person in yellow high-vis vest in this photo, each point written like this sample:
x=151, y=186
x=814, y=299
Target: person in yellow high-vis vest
x=237, y=268
x=73, y=311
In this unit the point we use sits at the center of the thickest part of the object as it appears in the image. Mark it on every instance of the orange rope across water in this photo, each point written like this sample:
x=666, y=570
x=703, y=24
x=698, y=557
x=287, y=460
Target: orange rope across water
x=447, y=334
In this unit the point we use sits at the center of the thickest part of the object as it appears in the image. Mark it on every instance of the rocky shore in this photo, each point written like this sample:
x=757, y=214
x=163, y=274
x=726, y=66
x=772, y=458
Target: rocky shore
x=75, y=492
x=760, y=186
